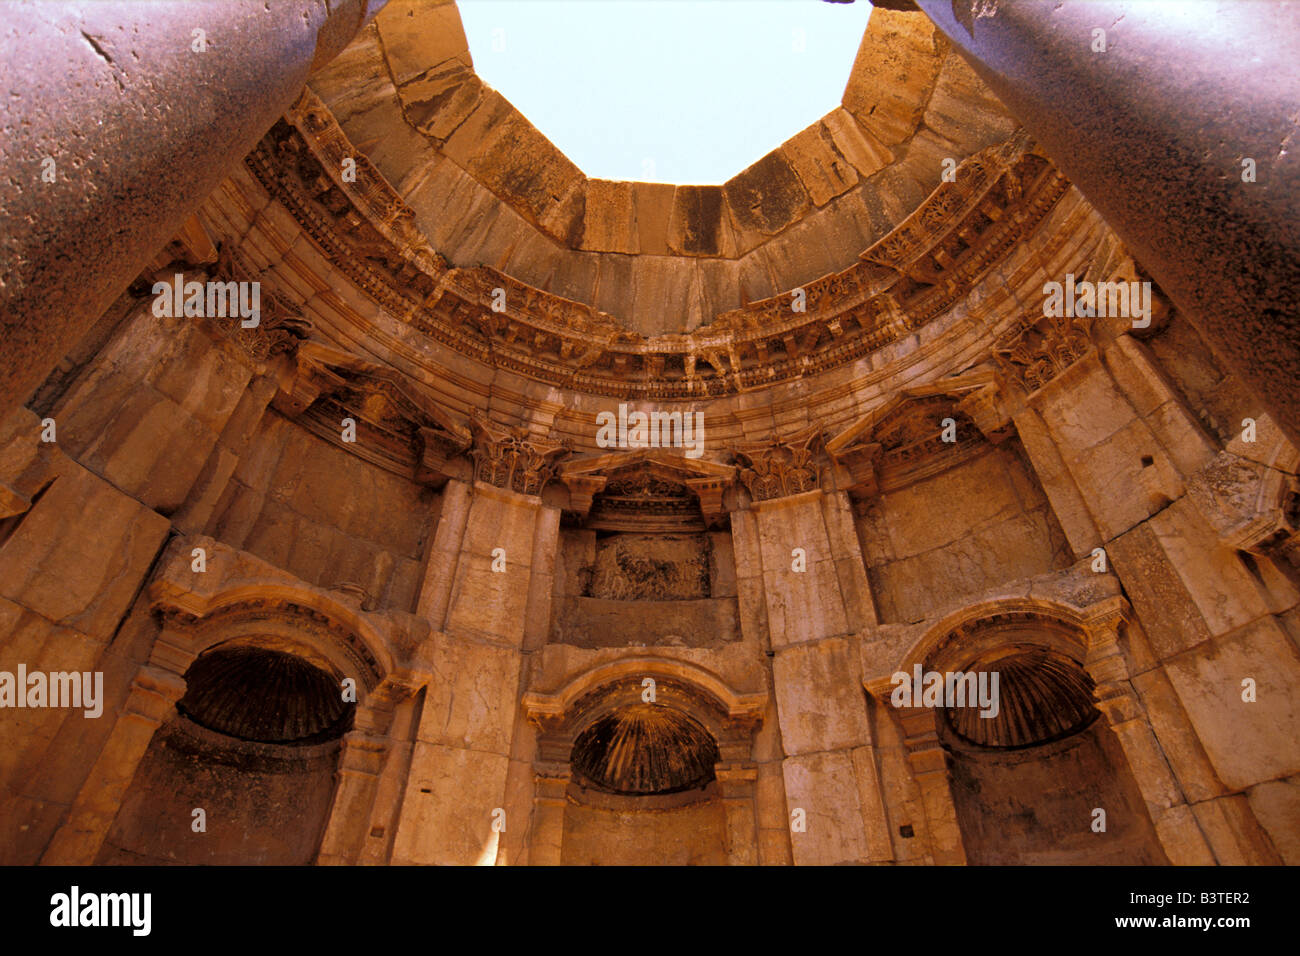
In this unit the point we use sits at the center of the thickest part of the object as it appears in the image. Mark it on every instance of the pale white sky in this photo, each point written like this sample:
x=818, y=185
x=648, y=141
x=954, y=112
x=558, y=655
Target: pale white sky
x=679, y=91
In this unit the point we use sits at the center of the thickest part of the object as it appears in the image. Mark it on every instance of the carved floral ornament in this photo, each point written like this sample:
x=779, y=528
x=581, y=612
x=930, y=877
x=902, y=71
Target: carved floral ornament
x=511, y=458
x=778, y=469
x=1040, y=348
x=907, y=278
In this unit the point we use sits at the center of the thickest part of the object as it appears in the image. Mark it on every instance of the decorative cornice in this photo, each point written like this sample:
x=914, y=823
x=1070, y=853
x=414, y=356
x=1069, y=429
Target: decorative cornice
x=905, y=439
x=647, y=490
x=397, y=427
x=903, y=281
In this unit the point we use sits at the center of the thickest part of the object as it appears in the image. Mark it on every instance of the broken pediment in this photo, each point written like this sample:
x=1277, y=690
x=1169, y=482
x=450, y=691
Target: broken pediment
x=647, y=489
x=919, y=432
x=394, y=424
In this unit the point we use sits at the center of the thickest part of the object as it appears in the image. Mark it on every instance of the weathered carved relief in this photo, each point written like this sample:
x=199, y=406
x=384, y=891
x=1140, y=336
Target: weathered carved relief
x=778, y=469
x=281, y=327
x=508, y=458
x=1252, y=507
x=650, y=568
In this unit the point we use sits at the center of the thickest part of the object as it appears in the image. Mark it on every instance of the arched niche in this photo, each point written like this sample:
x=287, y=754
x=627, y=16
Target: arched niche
x=1035, y=772
x=253, y=744
x=318, y=778
x=645, y=762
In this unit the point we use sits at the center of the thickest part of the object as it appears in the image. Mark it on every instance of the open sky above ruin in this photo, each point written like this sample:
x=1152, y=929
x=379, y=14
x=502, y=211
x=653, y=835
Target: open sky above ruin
x=681, y=91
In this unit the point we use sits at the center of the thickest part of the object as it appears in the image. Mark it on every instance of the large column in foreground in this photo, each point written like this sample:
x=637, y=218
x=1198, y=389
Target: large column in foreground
x=1154, y=130
x=119, y=119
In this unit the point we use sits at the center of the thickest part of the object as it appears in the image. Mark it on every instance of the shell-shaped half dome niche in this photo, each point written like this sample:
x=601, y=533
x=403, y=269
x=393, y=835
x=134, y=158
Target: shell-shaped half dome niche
x=263, y=695
x=644, y=749
x=1042, y=697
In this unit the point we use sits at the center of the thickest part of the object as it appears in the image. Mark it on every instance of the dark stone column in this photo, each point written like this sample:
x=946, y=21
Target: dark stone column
x=141, y=127
x=1153, y=131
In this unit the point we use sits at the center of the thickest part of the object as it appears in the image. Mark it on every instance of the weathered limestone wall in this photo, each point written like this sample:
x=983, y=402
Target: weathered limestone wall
x=1025, y=807
x=1192, y=530
x=329, y=517
x=610, y=832
x=466, y=741
x=263, y=805
x=958, y=533
x=1108, y=501
x=74, y=553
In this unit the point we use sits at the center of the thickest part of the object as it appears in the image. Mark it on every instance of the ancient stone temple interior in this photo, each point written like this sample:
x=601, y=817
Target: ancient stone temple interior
x=399, y=494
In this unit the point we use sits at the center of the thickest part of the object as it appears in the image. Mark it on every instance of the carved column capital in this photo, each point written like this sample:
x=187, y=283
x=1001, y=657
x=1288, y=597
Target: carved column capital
x=508, y=458
x=778, y=469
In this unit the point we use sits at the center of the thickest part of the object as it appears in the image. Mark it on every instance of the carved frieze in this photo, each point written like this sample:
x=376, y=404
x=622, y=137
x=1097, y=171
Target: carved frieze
x=903, y=281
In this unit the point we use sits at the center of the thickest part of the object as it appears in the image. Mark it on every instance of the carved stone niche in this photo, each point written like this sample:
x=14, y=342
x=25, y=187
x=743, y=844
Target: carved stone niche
x=1254, y=507
x=647, y=490
x=920, y=432
x=778, y=469
x=397, y=427
x=512, y=458
x=240, y=597
x=731, y=718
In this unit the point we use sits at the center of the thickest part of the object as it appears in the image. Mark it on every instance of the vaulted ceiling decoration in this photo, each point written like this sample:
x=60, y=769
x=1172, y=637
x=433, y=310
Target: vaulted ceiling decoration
x=927, y=263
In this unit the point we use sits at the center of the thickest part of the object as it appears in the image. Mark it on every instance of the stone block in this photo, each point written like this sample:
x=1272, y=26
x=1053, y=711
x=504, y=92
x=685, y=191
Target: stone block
x=418, y=35
x=469, y=703
x=824, y=173
x=825, y=786
x=819, y=697
x=447, y=813
x=1276, y=805
x=81, y=553
x=1247, y=743
x=609, y=221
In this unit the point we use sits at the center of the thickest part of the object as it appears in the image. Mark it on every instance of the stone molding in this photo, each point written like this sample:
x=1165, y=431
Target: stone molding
x=901, y=282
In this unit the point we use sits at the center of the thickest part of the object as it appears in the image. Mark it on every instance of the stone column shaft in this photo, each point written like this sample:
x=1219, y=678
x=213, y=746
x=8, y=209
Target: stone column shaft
x=361, y=761
x=737, y=784
x=930, y=769
x=1154, y=130
x=142, y=115
x=547, y=844
x=154, y=694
